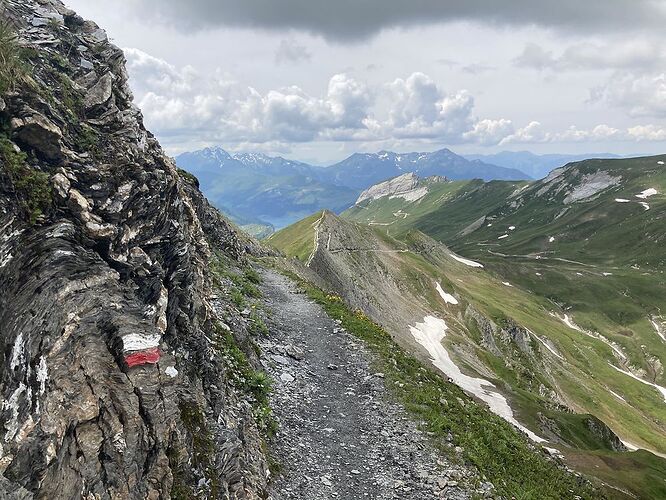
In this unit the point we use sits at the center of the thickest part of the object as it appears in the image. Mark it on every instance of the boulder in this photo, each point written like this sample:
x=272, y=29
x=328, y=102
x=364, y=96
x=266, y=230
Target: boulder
x=99, y=93
x=39, y=133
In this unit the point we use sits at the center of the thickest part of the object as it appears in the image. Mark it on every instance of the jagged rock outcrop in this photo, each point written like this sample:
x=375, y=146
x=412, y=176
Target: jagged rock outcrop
x=111, y=383
x=404, y=186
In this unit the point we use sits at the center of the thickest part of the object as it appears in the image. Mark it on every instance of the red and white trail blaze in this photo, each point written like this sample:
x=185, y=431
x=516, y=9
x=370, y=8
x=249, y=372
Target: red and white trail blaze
x=141, y=349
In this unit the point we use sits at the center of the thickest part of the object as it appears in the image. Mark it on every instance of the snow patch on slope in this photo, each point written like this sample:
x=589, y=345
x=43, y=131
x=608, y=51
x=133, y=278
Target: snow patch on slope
x=448, y=298
x=647, y=193
x=659, y=326
x=467, y=262
x=430, y=334
x=570, y=323
x=661, y=389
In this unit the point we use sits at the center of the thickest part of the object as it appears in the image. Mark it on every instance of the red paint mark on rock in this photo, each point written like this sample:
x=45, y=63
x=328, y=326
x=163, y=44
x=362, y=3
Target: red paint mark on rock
x=149, y=356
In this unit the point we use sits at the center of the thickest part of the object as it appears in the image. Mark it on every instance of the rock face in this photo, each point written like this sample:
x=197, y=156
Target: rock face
x=404, y=186
x=111, y=385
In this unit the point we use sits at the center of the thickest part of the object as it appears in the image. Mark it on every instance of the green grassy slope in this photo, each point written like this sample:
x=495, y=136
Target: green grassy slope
x=580, y=375
x=296, y=240
x=603, y=268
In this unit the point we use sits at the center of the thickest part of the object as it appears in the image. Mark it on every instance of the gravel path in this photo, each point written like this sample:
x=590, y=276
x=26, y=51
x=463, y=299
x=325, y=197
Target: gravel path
x=340, y=434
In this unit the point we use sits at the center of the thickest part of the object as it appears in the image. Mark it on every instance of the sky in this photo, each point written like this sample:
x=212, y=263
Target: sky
x=316, y=80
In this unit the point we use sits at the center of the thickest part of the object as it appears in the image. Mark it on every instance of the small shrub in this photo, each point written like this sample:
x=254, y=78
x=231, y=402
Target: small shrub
x=32, y=186
x=257, y=326
x=237, y=298
x=203, y=446
x=252, y=276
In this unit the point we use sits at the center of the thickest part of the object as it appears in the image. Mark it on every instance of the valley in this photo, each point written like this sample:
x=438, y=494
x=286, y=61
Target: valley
x=261, y=193
x=393, y=326
x=538, y=292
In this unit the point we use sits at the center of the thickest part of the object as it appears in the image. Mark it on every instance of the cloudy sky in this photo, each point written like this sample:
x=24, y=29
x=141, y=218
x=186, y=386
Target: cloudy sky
x=316, y=80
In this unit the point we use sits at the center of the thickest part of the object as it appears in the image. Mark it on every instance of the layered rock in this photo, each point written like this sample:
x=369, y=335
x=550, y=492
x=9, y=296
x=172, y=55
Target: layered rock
x=111, y=383
x=403, y=185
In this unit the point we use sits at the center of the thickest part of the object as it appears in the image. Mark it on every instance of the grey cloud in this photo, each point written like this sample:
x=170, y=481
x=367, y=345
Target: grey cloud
x=630, y=54
x=535, y=56
x=290, y=51
x=478, y=68
x=348, y=20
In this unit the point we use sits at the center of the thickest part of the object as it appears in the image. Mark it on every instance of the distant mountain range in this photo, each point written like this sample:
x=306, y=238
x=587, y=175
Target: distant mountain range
x=536, y=166
x=260, y=192
x=272, y=191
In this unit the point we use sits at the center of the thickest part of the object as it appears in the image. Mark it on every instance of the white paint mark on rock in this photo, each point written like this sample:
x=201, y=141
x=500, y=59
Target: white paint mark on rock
x=171, y=371
x=138, y=342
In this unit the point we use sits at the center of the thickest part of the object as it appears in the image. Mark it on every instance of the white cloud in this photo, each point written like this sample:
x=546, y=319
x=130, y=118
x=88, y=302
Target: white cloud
x=181, y=102
x=419, y=108
x=187, y=109
x=531, y=133
x=490, y=132
x=534, y=133
x=638, y=95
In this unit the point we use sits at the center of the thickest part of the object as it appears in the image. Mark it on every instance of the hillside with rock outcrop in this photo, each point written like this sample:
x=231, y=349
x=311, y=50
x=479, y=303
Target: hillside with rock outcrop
x=577, y=391
x=115, y=374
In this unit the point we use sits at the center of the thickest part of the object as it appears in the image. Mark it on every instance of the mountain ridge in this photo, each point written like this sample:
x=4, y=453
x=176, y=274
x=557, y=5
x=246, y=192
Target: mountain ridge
x=535, y=165
x=279, y=191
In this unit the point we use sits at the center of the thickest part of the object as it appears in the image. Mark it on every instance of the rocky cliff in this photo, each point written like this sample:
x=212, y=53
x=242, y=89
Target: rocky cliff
x=113, y=383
